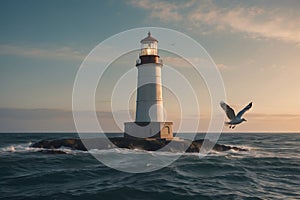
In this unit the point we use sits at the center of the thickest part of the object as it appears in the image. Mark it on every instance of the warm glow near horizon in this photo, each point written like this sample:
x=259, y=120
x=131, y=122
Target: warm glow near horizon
x=255, y=46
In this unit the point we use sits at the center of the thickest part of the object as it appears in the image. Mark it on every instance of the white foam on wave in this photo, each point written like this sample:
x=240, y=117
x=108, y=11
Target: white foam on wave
x=10, y=148
x=23, y=147
x=253, y=152
x=256, y=152
x=133, y=151
x=26, y=147
x=280, y=155
x=155, y=153
x=150, y=153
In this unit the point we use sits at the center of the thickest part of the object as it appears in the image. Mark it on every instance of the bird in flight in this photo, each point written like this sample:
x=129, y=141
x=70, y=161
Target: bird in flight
x=234, y=119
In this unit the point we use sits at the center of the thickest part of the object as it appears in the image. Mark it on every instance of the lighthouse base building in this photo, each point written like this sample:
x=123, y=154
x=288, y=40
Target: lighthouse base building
x=161, y=130
x=149, y=121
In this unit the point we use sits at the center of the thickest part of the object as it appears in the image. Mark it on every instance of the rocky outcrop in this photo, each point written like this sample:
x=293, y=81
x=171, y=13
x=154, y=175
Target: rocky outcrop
x=75, y=144
x=143, y=144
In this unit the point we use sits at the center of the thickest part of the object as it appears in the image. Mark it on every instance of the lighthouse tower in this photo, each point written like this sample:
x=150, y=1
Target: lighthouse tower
x=149, y=119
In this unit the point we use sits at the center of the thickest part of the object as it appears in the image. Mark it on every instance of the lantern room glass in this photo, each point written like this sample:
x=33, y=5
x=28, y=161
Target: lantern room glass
x=149, y=48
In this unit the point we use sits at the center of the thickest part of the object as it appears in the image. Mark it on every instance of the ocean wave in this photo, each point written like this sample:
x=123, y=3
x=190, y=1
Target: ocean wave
x=23, y=147
x=26, y=148
x=267, y=170
x=252, y=152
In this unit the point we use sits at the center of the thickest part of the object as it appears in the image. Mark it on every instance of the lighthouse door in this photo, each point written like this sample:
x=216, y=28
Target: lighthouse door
x=165, y=132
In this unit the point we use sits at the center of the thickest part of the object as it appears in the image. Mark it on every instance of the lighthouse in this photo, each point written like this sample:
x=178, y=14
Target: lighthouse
x=149, y=119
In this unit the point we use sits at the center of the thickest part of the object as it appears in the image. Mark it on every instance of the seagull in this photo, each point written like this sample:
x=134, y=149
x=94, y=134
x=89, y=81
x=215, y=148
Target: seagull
x=234, y=119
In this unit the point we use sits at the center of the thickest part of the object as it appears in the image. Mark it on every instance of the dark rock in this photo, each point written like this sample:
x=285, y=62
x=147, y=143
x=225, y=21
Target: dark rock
x=143, y=144
x=74, y=144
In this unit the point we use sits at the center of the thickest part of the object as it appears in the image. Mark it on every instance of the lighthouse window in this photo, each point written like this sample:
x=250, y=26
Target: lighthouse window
x=149, y=49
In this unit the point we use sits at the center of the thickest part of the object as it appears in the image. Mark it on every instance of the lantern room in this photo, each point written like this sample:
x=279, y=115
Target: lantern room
x=148, y=46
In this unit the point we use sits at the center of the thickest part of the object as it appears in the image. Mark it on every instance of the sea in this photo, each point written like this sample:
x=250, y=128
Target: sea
x=270, y=169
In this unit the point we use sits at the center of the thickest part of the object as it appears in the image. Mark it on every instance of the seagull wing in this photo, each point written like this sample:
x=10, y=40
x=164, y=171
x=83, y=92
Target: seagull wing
x=239, y=115
x=229, y=111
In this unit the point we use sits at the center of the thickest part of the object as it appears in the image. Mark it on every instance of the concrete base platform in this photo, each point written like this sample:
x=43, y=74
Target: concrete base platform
x=162, y=130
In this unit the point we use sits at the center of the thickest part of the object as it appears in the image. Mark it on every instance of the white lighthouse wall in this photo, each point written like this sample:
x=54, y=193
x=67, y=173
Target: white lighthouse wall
x=149, y=70
x=149, y=111
x=149, y=106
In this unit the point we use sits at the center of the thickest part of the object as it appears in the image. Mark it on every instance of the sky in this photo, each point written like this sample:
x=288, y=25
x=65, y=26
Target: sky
x=255, y=44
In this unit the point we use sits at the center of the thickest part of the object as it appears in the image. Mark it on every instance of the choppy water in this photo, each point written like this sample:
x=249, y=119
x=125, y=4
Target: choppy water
x=269, y=170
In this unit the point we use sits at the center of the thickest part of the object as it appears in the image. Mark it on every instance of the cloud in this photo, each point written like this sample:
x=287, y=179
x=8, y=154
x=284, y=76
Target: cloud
x=61, y=53
x=44, y=113
x=35, y=120
x=176, y=61
x=273, y=116
x=162, y=10
x=49, y=120
x=184, y=62
x=254, y=21
x=65, y=53
x=223, y=66
x=181, y=62
x=273, y=68
x=33, y=114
